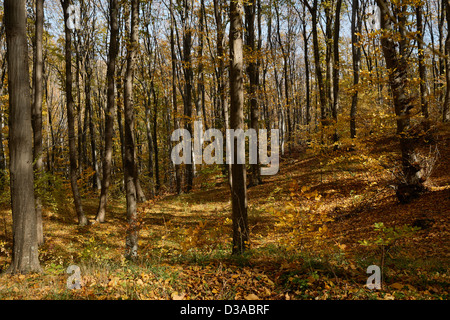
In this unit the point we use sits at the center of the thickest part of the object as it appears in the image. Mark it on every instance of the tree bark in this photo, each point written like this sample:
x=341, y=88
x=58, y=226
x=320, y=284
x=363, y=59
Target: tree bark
x=446, y=105
x=174, y=93
x=238, y=186
x=37, y=111
x=422, y=68
x=411, y=184
x=356, y=60
x=129, y=158
x=25, y=241
x=252, y=71
x=336, y=67
x=188, y=77
x=110, y=108
x=82, y=220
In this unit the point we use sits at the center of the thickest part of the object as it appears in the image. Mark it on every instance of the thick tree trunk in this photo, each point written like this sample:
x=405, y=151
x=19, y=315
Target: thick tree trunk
x=71, y=121
x=411, y=184
x=239, y=187
x=37, y=111
x=129, y=156
x=25, y=241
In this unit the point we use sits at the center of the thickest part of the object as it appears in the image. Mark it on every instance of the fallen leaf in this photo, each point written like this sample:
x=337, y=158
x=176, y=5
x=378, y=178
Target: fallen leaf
x=175, y=296
x=251, y=296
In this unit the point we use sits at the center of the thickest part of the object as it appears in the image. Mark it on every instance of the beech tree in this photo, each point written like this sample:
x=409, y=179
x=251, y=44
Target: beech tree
x=82, y=220
x=110, y=108
x=129, y=141
x=25, y=237
x=38, y=150
x=238, y=171
x=393, y=22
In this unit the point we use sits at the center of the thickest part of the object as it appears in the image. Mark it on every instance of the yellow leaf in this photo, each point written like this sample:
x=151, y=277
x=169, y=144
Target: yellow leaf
x=251, y=296
x=397, y=286
x=305, y=188
x=175, y=296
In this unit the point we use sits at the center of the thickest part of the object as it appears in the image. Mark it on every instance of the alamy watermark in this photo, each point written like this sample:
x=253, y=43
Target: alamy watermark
x=373, y=15
x=74, y=17
x=235, y=147
x=374, y=280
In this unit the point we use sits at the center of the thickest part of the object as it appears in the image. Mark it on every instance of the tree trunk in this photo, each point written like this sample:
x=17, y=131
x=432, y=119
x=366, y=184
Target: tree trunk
x=411, y=184
x=356, y=59
x=307, y=72
x=422, y=69
x=316, y=49
x=71, y=120
x=25, y=241
x=174, y=94
x=129, y=158
x=252, y=71
x=336, y=67
x=37, y=111
x=110, y=108
x=445, y=109
x=239, y=187
x=188, y=76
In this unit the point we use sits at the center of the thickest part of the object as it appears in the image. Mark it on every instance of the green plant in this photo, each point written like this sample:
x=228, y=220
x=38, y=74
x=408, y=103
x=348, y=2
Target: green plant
x=387, y=237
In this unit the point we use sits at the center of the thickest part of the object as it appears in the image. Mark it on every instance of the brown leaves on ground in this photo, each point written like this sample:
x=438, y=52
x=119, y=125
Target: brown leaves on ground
x=185, y=240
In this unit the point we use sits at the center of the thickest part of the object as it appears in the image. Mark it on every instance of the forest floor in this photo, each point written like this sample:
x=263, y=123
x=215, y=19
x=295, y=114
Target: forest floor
x=312, y=230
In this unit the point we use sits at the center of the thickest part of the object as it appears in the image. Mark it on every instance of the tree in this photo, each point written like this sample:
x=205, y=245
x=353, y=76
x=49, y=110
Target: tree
x=82, y=220
x=110, y=108
x=25, y=241
x=174, y=91
x=238, y=185
x=129, y=149
x=356, y=60
x=336, y=67
x=253, y=75
x=188, y=78
x=421, y=59
x=396, y=63
x=37, y=110
x=446, y=108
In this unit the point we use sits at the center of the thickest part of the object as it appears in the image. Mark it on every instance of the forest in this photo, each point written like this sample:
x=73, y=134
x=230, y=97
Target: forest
x=224, y=150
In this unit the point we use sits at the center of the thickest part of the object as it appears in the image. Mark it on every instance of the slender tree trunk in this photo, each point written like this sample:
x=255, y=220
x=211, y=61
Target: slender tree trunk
x=422, y=68
x=252, y=71
x=25, y=240
x=307, y=72
x=174, y=94
x=316, y=49
x=239, y=188
x=356, y=59
x=336, y=67
x=155, y=139
x=129, y=165
x=36, y=114
x=110, y=108
x=221, y=85
x=82, y=220
x=445, y=109
x=188, y=76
